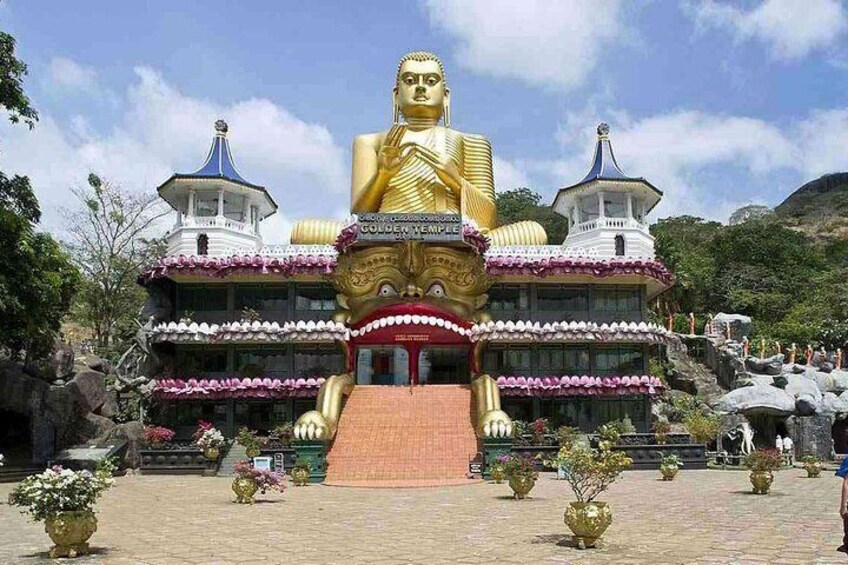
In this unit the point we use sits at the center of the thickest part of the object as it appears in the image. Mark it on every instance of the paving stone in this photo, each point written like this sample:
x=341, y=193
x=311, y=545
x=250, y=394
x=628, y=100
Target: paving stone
x=701, y=517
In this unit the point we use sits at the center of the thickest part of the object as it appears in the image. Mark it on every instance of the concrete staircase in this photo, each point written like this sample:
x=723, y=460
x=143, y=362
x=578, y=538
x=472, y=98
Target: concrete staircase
x=236, y=453
x=391, y=436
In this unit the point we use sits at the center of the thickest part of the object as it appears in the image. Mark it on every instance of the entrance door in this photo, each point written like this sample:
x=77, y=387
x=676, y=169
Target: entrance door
x=443, y=364
x=382, y=365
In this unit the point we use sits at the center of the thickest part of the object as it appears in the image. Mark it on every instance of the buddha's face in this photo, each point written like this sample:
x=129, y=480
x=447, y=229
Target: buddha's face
x=444, y=279
x=420, y=91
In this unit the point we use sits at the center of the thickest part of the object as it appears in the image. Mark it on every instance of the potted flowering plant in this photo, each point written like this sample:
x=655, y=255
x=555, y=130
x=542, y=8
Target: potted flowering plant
x=589, y=472
x=661, y=430
x=64, y=500
x=284, y=433
x=763, y=463
x=497, y=471
x=157, y=436
x=209, y=440
x=539, y=426
x=300, y=472
x=249, y=480
x=669, y=466
x=521, y=472
x=813, y=466
x=250, y=441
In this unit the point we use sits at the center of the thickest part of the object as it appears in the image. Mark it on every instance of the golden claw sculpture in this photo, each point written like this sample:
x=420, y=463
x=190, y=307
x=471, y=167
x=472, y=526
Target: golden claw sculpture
x=492, y=422
x=321, y=423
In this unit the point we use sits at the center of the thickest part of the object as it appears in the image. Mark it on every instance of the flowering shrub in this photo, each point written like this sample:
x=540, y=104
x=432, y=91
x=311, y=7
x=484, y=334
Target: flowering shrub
x=590, y=472
x=202, y=426
x=609, y=432
x=671, y=461
x=702, y=428
x=764, y=460
x=265, y=480
x=567, y=435
x=661, y=427
x=157, y=434
x=59, y=490
x=248, y=439
x=518, y=466
x=284, y=433
x=540, y=428
x=210, y=438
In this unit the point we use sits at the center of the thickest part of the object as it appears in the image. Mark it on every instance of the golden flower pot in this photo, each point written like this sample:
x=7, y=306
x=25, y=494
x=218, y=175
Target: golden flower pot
x=662, y=438
x=521, y=485
x=212, y=453
x=669, y=472
x=762, y=481
x=498, y=474
x=244, y=489
x=813, y=470
x=587, y=521
x=300, y=476
x=70, y=532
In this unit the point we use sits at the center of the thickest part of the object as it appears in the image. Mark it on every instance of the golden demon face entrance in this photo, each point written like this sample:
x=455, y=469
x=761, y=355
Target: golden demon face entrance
x=410, y=308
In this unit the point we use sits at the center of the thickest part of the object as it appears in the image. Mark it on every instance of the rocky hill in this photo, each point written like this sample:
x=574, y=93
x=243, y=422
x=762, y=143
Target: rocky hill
x=819, y=208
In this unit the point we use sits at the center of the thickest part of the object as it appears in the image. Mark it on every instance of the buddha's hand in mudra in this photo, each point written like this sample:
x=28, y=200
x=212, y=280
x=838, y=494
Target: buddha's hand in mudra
x=446, y=170
x=392, y=155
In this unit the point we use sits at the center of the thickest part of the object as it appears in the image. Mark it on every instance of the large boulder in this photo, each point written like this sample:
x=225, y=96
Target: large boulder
x=766, y=366
x=811, y=435
x=756, y=399
x=89, y=391
x=834, y=404
x=740, y=326
x=92, y=428
x=133, y=434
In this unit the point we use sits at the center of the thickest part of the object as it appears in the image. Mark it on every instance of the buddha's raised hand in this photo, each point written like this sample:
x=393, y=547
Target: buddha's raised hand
x=311, y=426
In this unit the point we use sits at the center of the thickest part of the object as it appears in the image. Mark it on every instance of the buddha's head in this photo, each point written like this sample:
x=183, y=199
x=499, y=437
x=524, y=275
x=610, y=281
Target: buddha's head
x=420, y=88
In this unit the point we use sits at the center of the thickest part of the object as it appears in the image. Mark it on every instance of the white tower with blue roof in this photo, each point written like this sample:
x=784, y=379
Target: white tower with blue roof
x=606, y=210
x=218, y=211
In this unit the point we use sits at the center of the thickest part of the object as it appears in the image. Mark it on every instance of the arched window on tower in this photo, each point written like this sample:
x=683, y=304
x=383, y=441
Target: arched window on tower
x=203, y=244
x=619, y=245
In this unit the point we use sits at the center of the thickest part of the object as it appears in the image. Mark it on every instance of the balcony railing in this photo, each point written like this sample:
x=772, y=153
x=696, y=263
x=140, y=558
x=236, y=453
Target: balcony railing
x=214, y=222
x=614, y=223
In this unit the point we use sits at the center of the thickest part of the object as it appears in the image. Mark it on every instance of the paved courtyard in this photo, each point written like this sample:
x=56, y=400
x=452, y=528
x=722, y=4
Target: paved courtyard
x=702, y=517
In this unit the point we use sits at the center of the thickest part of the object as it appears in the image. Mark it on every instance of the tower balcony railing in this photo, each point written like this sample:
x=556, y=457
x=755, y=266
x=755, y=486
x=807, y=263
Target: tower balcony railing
x=214, y=222
x=612, y=223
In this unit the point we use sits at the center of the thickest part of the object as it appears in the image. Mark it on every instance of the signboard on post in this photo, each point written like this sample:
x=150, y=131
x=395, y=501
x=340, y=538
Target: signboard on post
x=391, y=228
x=279, y=462
x=262, y=463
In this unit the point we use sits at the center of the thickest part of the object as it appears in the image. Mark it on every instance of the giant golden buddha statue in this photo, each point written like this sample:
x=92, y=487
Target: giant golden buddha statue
x=418, y=166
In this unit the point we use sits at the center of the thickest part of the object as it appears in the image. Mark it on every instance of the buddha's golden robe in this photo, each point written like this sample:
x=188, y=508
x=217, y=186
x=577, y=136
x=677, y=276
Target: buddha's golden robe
x=416, y=188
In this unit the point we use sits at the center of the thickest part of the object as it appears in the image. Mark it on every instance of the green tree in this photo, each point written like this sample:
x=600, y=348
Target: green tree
x=524, y=204
x=37, y=280
x=108, y=240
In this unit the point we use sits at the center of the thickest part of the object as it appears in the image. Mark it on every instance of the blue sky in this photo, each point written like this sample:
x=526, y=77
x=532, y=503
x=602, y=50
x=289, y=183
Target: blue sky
x=719, y=104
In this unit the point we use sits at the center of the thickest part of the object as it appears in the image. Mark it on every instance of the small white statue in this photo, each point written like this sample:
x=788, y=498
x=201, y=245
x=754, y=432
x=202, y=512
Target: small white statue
x=747, y=438
x=778, y=444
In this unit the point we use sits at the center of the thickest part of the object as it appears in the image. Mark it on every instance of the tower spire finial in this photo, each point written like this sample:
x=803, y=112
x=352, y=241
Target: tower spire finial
x=221, y=127
x=603, y=130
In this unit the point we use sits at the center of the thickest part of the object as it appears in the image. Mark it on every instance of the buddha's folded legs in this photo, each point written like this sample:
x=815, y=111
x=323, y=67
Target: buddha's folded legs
x=312, y=231
x=520, y=233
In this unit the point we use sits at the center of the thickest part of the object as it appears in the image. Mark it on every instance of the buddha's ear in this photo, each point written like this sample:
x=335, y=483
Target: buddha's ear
x=395, y=107
x=446, y=108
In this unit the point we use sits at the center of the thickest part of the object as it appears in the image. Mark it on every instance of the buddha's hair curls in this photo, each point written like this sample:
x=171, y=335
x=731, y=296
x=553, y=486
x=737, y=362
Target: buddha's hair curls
x=421, y=56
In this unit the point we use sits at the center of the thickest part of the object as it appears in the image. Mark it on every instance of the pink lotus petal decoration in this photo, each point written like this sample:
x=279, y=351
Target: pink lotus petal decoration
x=237, y=388
x=584, y=385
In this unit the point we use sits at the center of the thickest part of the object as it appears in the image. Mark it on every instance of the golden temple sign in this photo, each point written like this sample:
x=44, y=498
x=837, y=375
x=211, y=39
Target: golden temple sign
x=434, y=228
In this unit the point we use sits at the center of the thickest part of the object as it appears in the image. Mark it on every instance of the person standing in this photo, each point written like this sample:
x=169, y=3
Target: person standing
x=842, y=472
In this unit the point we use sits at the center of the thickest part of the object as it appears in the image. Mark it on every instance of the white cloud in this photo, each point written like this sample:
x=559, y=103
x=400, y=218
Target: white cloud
x=792, y=29
x=540, y=42
x=163, y=131
x=68, y=74
x=509, y=174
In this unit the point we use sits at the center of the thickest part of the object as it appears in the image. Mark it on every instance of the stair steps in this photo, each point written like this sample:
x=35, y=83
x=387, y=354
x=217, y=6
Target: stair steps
x=390, y=436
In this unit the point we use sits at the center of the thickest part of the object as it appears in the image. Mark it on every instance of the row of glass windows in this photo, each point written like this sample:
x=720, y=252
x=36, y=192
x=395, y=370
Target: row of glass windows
x=282, y=361
x=578, y=301
x=262, y=298
x=564, y=360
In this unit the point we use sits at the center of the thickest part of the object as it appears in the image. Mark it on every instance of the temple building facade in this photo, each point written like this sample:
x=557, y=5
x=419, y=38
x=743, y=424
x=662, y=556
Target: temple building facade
x=436, y=297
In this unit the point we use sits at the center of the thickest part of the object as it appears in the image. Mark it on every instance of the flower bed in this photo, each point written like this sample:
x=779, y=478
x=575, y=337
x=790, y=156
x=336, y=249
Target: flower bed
x=570, y=331
x=579, y=386
x=237, y=388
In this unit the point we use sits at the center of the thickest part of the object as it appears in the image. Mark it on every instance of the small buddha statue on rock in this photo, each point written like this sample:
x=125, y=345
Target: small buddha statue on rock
x=420, y=166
